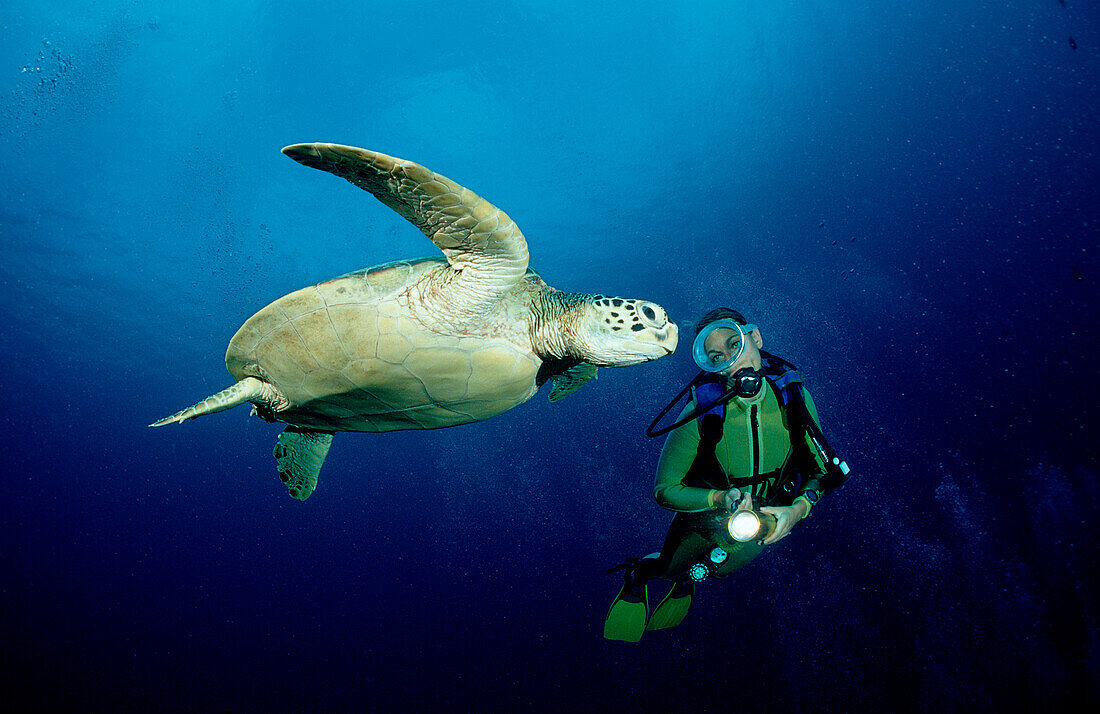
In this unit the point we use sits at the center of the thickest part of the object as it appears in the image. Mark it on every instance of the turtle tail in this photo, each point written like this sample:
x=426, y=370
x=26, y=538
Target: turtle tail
x=249, y=389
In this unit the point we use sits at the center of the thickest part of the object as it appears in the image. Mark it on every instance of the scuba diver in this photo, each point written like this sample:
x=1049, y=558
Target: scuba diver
x=744, y=463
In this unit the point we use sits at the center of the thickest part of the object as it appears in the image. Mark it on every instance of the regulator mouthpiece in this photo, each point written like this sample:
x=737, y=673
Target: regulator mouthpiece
x=746, y=382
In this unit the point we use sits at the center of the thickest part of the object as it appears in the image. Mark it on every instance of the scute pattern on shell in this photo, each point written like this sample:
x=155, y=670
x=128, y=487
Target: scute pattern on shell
x=349, y=356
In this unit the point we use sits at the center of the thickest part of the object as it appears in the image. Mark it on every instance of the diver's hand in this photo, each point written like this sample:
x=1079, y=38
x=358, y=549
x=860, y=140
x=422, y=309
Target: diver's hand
x=785, y=519
x=731, y=500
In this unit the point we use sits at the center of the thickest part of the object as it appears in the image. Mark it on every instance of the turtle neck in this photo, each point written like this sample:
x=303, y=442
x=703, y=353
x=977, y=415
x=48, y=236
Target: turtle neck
x=556, y=315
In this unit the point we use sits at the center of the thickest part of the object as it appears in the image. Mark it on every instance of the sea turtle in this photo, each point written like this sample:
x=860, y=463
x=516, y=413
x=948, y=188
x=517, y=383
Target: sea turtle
x=425, y=343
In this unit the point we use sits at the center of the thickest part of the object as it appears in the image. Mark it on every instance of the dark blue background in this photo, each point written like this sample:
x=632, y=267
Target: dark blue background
x=904, y=195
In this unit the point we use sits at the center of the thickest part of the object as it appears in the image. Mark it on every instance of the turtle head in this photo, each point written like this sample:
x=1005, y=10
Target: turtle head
x=618, y=332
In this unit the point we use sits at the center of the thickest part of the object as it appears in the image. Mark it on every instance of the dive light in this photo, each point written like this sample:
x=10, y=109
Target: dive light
x=749, y=525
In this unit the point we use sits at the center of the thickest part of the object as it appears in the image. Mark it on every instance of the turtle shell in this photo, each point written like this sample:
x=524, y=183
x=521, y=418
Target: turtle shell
x=369, y=351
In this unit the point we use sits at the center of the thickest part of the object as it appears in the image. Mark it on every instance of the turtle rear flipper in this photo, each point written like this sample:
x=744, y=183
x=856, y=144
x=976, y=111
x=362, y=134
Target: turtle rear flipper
x=249, y=389
x=300, y=453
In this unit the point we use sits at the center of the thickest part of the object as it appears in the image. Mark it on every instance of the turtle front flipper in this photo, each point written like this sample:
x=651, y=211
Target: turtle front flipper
x=570, y=380
x=480, y=241
x=301, y=453
x=566, y=376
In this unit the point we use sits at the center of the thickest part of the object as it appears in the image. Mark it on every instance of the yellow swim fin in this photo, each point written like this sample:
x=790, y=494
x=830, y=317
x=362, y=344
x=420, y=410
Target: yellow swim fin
x=626, y=619
x=674, y=607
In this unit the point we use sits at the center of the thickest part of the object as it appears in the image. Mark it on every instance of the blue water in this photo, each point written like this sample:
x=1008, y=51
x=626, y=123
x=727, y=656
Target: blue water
x=903, y=195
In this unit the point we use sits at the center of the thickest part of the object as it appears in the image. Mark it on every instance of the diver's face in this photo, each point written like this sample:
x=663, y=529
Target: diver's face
x=723, y=343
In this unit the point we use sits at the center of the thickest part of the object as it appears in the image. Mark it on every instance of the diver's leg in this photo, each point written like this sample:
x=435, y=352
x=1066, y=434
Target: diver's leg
x=626, y=619
x=679, y=554
x=629, y=610
x=686, y=547
x=693, y=548
x=739, y=556
x=674, y=608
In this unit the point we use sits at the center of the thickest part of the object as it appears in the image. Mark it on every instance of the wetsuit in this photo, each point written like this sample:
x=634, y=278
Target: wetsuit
x=755, y=446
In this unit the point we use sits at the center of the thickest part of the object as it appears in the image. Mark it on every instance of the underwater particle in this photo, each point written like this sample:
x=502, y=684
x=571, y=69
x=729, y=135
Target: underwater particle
x=1077, y=274
x=821, y=224
x=1072, y=43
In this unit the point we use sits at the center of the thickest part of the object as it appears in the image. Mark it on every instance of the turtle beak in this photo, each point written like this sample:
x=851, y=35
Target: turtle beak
x=671, y=339
x=656, y=344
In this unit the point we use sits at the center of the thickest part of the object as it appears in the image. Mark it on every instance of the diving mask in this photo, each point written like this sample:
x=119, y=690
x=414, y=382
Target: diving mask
x=736, y=344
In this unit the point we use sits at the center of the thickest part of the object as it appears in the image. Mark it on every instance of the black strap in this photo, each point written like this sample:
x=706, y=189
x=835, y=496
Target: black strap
x=834, y=477
x=753, y=480
x=697, y=380
x=706, y=471
x=775, y=366
x=799, y=419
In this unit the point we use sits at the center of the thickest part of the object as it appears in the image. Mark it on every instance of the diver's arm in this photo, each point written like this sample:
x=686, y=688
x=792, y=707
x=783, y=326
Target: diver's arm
x=811, y=482
x=786, y=517
x=678, y=453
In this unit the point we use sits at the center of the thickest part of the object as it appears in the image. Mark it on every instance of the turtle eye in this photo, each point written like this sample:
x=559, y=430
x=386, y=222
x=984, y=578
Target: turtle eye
x=652, y=314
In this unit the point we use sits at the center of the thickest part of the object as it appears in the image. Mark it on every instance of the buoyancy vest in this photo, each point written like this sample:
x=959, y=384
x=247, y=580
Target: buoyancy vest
x=783, y=379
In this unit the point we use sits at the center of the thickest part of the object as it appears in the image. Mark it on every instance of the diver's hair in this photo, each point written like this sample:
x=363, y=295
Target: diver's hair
x=719, y=313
